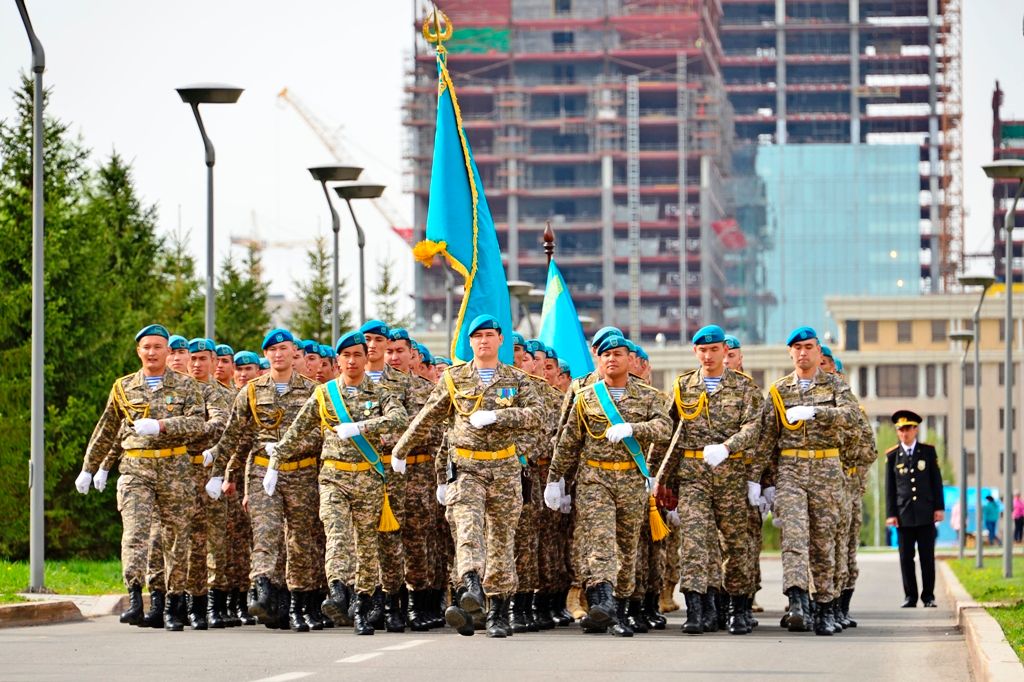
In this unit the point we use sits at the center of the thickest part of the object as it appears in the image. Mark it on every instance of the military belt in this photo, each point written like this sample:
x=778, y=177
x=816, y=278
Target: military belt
x=611, y=466
x=699, y=454
x=164, y=452
x=346, y=466
x=504, y=453
x=196, y=459
x=287, y=466
x=417, y=459
x=851, y=471
x=811, y=454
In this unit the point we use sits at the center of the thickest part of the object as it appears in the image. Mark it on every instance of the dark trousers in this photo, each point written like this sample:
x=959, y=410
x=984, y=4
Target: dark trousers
x=924, y=538
x=1018, y=528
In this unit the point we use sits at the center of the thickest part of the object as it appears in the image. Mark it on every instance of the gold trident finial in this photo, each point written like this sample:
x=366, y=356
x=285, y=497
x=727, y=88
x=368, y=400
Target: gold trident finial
x=434, y=20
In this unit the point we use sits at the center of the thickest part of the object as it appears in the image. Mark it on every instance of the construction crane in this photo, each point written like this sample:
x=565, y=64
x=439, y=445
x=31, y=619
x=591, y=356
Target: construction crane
x=336, y=145
x=253, y=241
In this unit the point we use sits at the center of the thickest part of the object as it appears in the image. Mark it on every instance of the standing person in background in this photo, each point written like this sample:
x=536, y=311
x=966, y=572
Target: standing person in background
x=1018, y=517
x=990, y=513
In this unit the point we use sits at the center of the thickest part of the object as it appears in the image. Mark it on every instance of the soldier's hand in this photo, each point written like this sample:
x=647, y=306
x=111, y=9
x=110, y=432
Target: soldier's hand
x=800, y=412
x=213, y=487
x=270, y=482
x=753, y=493
x=228, y=488
x=207, y=458
x=939, y=515
x=147, y=427
x=673, y=518
x=893, y=522
x=552, y=496
x=398, y=465
x=616, y=432
x=482, y=418
x=566, y=506
x=769, y=496
x=99, y=481
x=715, y=454
x=441, y=493
x=347, y=430
x=83, y=481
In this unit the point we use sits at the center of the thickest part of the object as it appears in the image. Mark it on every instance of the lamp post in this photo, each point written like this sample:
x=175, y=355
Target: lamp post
x=323, y=175
x=348, y=193
x=964, y=338
x=532, y=297
x=983, y=281
x=37, y=455
x=1008, y=169
x=517, y=288
x=194, y=95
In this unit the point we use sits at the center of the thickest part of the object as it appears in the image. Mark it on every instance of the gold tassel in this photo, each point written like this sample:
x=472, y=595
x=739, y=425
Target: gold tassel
x=425, y=251
x=658, y=528
x=388, y=522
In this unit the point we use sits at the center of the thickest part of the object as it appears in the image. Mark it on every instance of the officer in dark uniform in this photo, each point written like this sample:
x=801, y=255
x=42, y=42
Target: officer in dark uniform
x=914, y=504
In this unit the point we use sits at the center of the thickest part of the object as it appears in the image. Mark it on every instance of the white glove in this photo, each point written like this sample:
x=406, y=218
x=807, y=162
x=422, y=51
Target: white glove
x=776, y=522
x=83, y=481
x=552, y=496
x=397, y=465
x=482, y=418
x=442, y=493
x=270, y=448
x=799, y=412
x=347, y=430
x=763, y=506
x=147, y=427
x=616, y=432
x=99, y=481
x=652, y=483
x=207, y=458
x=213, y=487
x=715, y=454
x=270, y=482
x=673, y=518
x=753, y=493
x=566, y=506
x=769, y=495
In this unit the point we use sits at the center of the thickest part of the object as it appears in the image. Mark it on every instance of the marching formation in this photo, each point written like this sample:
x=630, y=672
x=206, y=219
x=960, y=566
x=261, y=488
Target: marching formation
x=373, y=485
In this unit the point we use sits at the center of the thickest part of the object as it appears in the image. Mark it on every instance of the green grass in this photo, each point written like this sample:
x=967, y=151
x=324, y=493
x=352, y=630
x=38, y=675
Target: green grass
x=64, y=577
x=988, y=583
x=11, y=599
x=1011, y=620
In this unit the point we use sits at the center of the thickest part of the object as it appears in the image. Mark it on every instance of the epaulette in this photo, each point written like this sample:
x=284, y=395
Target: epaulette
x=534, y=376
x=742, y=374
x=893, y=450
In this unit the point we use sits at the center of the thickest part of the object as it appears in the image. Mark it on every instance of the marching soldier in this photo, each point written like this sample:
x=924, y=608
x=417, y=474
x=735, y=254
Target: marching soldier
x=178, y=358
x=247, y=366
x=224, y=369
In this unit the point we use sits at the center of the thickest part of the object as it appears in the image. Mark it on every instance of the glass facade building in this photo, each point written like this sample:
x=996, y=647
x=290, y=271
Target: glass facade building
x=842, y=219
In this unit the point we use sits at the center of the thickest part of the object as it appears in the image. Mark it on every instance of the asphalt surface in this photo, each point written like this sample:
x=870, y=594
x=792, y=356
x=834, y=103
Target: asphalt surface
x=890, y=644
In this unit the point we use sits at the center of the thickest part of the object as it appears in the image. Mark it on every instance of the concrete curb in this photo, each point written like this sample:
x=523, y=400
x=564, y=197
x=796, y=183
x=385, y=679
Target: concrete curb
x=989, y=654
x=39, y=613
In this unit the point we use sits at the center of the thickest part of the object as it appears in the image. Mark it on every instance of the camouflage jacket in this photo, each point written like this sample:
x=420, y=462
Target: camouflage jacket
x=258, y=416
x=582, y=438
x=312, y=434
x=177, y=403
x=218, y=407
x=536, y=443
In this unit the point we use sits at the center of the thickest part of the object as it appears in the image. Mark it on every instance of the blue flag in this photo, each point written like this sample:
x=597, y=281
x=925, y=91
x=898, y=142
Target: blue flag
x=460, y=227
x=560, y=327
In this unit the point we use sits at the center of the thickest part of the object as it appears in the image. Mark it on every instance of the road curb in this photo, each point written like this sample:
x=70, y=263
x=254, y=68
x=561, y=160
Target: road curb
x=989, y=655
x=39, y=613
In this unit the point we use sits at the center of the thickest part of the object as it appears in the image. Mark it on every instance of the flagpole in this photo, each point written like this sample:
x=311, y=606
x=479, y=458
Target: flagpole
x=549, y=243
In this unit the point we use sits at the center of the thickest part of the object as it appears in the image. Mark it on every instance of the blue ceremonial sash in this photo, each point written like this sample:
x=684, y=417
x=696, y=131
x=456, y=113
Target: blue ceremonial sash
x=368, y=452
x=612, y=413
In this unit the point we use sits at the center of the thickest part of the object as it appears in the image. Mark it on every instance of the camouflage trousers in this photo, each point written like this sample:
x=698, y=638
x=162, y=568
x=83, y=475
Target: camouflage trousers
x=650, y=562
x=350, y=507
x=420, y=524
x=203, y=517
x=444, y=557
x=526, y=543
x=855, y=499
x=282, y=527
x=809, y=494
x=672, y=542
x=483, y=505
x=389, y=545
x=238, y=542
x=160, y=489
x=612, y=508
x=552, y=542
x=842, y=552
x=713, y=506
x=755, y=527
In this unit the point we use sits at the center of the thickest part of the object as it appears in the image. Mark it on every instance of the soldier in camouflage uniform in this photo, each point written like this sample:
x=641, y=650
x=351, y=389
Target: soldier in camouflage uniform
x=491, y=403
x=149, y=417
x=802, y=425
x=612, y=488
x=717, y=415
x=554, y=538
x=260, y=415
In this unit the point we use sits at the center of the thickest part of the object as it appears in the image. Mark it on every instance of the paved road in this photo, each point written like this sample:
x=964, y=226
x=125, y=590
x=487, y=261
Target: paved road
x=890, y=644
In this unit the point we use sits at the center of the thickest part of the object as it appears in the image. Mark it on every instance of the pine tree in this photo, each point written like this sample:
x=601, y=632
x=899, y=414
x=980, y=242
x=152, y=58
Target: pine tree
x=311, y=318
x=179, y=303
x=385, y=296
x=242, y=314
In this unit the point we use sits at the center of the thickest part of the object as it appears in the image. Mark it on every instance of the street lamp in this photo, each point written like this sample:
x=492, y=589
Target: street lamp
x=964, y=338
x=323, y=175
x=1008, y=169
x=348, y=193
x=194, y=95
x=531, y=297
x=517, y=288
x=983, y=281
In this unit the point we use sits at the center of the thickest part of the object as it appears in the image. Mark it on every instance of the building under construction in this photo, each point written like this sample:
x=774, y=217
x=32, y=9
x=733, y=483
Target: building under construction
x=608, y=118
x=1007, y=143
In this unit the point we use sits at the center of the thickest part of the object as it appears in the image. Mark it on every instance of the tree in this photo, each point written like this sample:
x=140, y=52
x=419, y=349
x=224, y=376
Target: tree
x=385, y=296
x=311, y=318
x=179, y=303
x=242, y=314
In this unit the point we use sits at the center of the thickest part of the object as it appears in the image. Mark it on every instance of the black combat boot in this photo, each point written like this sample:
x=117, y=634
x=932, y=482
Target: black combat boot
x=539, y=612
x=844, y=604
x=559, y=613
x=694, y=624
x=172, y=612
x=635, y=616
x=196, y=611
x=709, y=616
x=242, y=598
x=314, y=616
x=133, y=615
x=655, y=620
x=521, y=603
x=215, y=609
x=472, y=599
x=737, y=625
x=296, y=604
x=436, y=607
x=830, y=616
x=749, y=603
x=497, y=618
x=796, y=618
x=337, y=603
x=230, y=612
x=601, y=601
x=394, y=615
x=722, y=608
x=457, y=617
x=419, y=619
x=823, y=625
x=361, y=622
x=621, y=627
x=264, y=602
x=805, y=600
x=376, y=614
x=154, y=618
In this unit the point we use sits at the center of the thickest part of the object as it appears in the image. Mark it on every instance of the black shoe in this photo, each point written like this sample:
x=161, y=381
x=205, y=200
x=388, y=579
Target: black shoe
x=709, y=615
x=601, y=602
x=419, y=618
x=241, y=611
x=458, y=618
x=361, y=622
x=172, y=612
x=311, y=610
x=722, y=608
x=844, y=604
x=796, y=618
x=929, y=604
x=621, y=627
x=497, y=618
x=376, y=614
x=837, y=615
x=655, y=620
x=296, y=605
x=635, y=616
x=590, y=627
x=284, y=600
x=909, y=603
x=694, y=624
x=472, y=600
x=805, y=601
x=337, y=602
x=196, y=611
x=394, y=614
x=231, y=618
x=521, y=603
x=264, y=602
x=216, y=603
x=737, y=623
x=751, y=621
x=154, y=618
x=538, y=613
x=134, y=614
x=559, y=613
x=435, y=607
x=822, y=624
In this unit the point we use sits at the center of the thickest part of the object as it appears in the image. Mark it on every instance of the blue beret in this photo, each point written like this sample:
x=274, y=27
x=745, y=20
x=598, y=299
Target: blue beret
x=375, y=327
x=532, y=346
x=712, y=333
x=427, y=358
x=355, y=338
x=224, y=349
x=153, y=330
x=275, y=336
x=563, y=367
x=613, y=341
x=246, y=357
x=801, y=334
x=309, y=346
x=603, y=333
x=198, y=345
x=484, y=322
x=538, y=346
x=631, y=346
x=400, y=334
x=175, y=342
x=442, y=360
x=839, y=365
x=826, y=351
x=264, y=363
x=518, y=340
x=642, y=353
x=552, y=353
x=326, y=352
x=731, y=341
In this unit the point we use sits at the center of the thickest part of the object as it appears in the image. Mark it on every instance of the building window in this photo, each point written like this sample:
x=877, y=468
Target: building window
x=1002, y=417
x=969, y=419
x=938, y=331
x=563, y=6
x=904, y=331
x=970, y=463
x=1002, y=329
x=896, y=381
x=862, y=382
x=969, y=375
x=1002, y=373
x=1002, y=457
x=852, y=337
x=870, y=331
x=929, y=380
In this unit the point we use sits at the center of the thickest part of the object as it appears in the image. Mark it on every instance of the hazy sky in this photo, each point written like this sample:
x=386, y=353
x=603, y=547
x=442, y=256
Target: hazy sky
x=113, y=66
